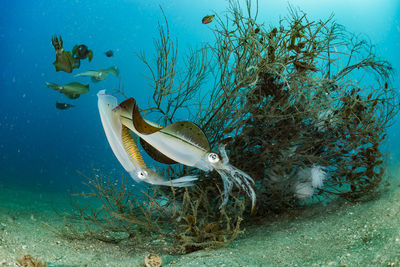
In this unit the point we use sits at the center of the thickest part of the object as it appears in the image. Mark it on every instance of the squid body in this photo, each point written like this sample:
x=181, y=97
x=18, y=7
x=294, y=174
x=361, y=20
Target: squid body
x=125, y=148
x=99, y=75
x=72, y=90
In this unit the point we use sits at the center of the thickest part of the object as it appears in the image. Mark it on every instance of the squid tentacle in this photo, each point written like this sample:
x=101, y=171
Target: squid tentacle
x=184, y=181
x=230, y=175
x=228, y=185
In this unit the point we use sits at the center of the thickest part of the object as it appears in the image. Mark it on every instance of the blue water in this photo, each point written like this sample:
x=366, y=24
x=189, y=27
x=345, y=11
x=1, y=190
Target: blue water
x=42, y=146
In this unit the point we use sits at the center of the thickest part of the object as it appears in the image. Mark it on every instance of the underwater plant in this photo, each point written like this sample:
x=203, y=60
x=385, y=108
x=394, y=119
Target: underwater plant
x=29, y=261
x=302, y=107
x=113, y=215
x=300, y=94
x=118, y=215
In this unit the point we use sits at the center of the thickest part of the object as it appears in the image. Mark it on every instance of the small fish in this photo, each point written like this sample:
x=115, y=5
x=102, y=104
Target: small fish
x=109, y=53
x=99, y=75
x=71, y=90
x=64, y=105
x=207, y=19
x=125, y=148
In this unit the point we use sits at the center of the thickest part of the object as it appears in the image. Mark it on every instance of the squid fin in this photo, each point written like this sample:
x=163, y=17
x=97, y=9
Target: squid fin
x=130, y=108
x=114, y=71
x=72, y=96
x=77, y=85
x=189, y=132
x=155, y=154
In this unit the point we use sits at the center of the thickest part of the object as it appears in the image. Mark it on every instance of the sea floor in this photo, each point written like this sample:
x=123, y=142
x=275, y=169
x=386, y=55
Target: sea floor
x=339, y=234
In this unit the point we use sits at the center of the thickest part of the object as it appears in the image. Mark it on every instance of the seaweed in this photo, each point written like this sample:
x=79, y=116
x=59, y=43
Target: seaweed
x=204, y=226
x=113, y=215
x=300, y=94
x=116, y=215
x=28, y=261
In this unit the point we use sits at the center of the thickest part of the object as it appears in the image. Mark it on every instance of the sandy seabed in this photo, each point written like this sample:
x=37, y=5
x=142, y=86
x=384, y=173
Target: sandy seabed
x=340, y=234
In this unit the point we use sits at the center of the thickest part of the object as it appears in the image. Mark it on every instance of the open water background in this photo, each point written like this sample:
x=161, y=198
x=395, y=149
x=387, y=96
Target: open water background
x=42, y=147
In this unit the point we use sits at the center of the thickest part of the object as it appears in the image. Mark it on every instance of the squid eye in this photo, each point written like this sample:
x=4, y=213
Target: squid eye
x=142, y=174
x=213, y=157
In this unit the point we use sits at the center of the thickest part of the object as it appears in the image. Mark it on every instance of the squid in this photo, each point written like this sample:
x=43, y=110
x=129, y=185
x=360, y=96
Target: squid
x=99, y=75
x=125, y=148
x=64, y=59
x=71, y=90
x=184, y=142
x=82, y=52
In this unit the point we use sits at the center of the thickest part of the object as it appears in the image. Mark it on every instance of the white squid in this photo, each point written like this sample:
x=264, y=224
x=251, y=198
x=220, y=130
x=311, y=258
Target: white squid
x=125, y=149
